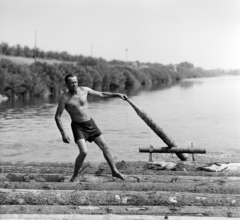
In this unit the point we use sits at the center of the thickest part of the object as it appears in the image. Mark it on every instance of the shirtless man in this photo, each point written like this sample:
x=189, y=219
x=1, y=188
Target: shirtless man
x=83, y=127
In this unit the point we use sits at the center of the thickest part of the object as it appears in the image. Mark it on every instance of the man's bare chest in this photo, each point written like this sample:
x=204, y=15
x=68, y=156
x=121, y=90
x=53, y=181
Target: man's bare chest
x=76, y=101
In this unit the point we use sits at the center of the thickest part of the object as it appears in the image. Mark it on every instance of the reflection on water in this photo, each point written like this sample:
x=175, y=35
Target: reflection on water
x=187, y=84
x=203, y=111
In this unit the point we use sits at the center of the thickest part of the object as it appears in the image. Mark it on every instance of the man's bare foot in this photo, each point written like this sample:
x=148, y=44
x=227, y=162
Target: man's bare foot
x=74, y=179
x=119, y=175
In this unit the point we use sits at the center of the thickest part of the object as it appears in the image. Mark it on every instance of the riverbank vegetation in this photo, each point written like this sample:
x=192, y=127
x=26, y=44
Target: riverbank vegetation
x=43, y=72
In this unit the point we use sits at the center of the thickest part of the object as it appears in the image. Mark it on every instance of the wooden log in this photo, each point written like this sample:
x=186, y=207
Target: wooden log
x=41, y=164
x=16, y=177
x=211, y=211
x=159, y=131
x=190, y=172
x=89, y=165
x=103, y=198
x=28, y=177
x=203, y=160
x=132, y=166
x=129, y=168
x=217, y=186
x=172, y=150
x=102, y=217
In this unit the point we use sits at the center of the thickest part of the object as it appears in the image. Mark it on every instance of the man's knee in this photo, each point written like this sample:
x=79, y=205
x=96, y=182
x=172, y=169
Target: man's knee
x=82, y=147
x=104, y=147
x=83, y=152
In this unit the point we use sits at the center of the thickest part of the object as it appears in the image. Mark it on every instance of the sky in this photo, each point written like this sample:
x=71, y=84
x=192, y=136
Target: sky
x=205, y=33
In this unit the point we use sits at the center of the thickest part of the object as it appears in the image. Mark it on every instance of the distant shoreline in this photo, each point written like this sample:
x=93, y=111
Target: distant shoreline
x=22, y=76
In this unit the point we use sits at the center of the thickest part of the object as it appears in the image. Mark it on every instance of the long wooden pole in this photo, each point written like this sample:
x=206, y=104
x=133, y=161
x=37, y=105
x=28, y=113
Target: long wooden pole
x=159, y=131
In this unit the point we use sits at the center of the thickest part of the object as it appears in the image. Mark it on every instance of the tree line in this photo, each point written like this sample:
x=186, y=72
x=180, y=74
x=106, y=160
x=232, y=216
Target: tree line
x=28, y=52
x=41, y=78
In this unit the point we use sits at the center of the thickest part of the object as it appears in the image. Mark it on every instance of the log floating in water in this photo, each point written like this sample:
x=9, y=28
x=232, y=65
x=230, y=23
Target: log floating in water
x=157, y=192
x=176, y=184
x=204, y=159
x=16, y=177
x=172, y=150
x=102, y=217
x=42, y=164
x=123, y=165
x=127, y=198
x=142, y=168
x=217, y=211
x=159, y=131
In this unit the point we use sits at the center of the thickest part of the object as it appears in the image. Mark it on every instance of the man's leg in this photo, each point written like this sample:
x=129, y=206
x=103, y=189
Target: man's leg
x=80, y=158
x=107, y=155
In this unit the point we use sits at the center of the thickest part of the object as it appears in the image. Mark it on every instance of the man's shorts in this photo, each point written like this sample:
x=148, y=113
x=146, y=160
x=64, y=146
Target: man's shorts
x=87, y=130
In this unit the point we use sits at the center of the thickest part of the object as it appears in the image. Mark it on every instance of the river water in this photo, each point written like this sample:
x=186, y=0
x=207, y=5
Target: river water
x=204, y=111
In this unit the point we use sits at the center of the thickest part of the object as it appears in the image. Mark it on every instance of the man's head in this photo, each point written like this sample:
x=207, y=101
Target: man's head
x=71, y=82
x=69, y=76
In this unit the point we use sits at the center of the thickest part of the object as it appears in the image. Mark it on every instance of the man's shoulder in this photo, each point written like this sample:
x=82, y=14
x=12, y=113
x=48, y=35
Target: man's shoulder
x=83, y=88
x=65, y=96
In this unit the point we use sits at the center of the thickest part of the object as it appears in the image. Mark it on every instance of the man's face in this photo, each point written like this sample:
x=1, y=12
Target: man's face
x=72, y=83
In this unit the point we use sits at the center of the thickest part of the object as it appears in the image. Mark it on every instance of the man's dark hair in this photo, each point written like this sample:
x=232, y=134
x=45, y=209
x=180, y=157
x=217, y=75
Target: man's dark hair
x=67, y=76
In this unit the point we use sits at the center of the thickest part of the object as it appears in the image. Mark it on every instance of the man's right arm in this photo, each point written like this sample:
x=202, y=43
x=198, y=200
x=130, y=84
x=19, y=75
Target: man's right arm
x=61, y=106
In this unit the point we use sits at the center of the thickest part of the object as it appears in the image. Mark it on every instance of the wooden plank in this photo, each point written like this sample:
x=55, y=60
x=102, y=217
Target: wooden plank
x=172, y=150
x=176, y=184
x=128, y=198
x=213, y=211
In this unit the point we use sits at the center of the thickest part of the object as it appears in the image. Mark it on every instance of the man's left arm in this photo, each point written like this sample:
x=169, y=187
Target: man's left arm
x=106, y=94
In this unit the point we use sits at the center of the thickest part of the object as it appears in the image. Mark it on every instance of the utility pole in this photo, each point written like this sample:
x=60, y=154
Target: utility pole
x=126, y=55
x=35, y=47
x=91, y=50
